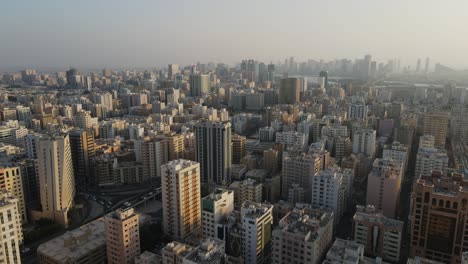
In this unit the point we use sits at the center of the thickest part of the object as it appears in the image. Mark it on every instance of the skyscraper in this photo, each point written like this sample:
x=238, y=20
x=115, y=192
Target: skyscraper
x=324, y=75
x=11, y=180
x=213, y=150
x=56, y=178
x=181, y=198
x=82, y=149
x=426, y=67
x=172, y=71
x=122, y=236
x=289, y=91
x=199, y=84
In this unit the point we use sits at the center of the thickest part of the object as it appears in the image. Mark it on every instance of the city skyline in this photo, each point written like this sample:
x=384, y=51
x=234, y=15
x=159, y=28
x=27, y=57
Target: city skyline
x=92, y=35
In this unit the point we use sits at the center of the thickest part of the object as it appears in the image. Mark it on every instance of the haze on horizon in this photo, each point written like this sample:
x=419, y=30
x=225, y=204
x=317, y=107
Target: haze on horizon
x=149, y=33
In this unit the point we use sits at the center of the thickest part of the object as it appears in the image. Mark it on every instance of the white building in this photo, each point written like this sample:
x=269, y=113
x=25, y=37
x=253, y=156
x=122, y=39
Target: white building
x=256, y=221
x=358, y=111
x=431, y=159
x=331, y=188
x=56, y=178
x=298, y=169
x=397, y=152
x=215, y=208
x=291, y=138
x=11, y=234
x=364, y=141
x=266, y=134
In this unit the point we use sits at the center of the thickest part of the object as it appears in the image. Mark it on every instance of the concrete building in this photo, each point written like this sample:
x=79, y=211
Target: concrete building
x=213, y=150
x=364, y=141
x=381, y=236
x=289, y=91
x=438, y=217
x=431, y=159
x=122, y=231
x=199, y=84
x=152, y=153
x=298, y=169
x=82, y=150
x=82, y=119
x=11, y=180
x=266, y=134
x=215, y=208
x=358, y=111
x=11, y=234
x=291, y=138
x=397, y=152
x=346, y=252
x=331, y=189
x=426, y=141
x=256, y=222
x=56, y=178
x=148, y=257
x=174, y=252
x=86, y=244
x=436, y=124
x=270, y=160
x=302, y=236
x=181, y=198
x=238, y=148
x=247, y=190
x=211, y=251
x=384, y=185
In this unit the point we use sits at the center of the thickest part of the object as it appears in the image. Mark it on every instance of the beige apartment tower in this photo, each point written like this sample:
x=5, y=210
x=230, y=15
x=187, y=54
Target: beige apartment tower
x=383, y=186
x=11, y=234
x=122, y=236
x=436, y=124
x=11, y=180
x=181, y=198
x=56, y=178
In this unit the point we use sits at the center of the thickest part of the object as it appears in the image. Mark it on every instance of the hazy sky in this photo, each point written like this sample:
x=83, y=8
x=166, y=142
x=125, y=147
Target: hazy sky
x=146, y=33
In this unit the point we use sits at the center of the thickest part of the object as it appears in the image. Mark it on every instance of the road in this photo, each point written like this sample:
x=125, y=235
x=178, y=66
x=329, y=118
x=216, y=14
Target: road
x=97, y=207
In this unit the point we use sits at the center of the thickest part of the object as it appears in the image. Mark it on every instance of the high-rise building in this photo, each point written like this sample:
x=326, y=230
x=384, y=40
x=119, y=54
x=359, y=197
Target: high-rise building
x=238, y=148
x=298, y=169
x=12, y=232
x=82, y=119
x=331, y=189
x=11, y=180
x=426, y=141
x=418, y=65
x=82, y=150
x=346, y=251
x=175, y=145
x=364, y=141
x=199, y=84
x=122, y=236
x=426, y=67
x=324, y=75
x=384, y=185
x=172, y=71
x=249, y=190
x=216, y=207
x=302, y=236
x=381, y=236
x=213, y=150
x=256, y=222
x=459, y=127
x=431, y=159
x=181, y=198
x=358, y=110
x=397, y=152
x=289, y=91
x=438, y=217
x=270, y=160
x=152, y=153
x=436, y=124
x=56, y=178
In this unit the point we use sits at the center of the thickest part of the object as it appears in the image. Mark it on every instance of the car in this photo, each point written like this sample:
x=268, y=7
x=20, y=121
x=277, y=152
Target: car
x=24, y=250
